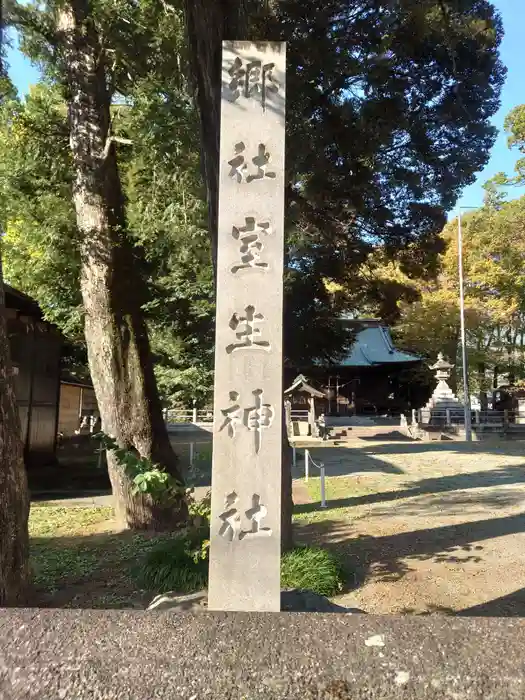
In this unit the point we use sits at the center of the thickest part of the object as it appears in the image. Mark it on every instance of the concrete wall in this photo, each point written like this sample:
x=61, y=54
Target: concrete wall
x=131, y=655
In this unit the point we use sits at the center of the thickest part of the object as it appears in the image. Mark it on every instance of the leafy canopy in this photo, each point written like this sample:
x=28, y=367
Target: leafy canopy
x=389, y=110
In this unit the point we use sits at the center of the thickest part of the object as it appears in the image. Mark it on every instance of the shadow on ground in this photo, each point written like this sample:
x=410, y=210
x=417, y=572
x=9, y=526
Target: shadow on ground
x=505, y=476
x=387, y=557
x=394, y=436
x=452, y=446
x=510, y=605
x=90, y=571
x=344, y=462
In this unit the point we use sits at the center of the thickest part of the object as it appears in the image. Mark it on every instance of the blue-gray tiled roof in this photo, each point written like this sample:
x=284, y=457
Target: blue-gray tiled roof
x=373, y=346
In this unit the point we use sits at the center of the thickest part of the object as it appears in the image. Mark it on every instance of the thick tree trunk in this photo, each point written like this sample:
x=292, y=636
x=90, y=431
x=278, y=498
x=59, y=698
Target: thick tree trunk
x=208, y=22
x=14, y=496
x=112, y=289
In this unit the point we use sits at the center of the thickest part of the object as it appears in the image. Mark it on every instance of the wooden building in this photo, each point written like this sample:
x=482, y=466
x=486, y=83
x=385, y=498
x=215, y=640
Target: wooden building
x=302, y=398
x=77, y=402
x=369, y=380
x=35, y=353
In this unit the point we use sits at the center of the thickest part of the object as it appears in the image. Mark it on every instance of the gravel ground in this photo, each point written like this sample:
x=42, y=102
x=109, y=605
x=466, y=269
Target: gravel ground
x=425, y=527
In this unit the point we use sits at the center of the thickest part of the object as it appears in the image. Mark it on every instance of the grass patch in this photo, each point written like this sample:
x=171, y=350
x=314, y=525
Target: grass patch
x=51, y=566
x=337, y=489
x=76, y=552
x=59, y=551
x=340, y=487
x=58, y=521
x=312, y=568
x=78, y=560
x=170, y=566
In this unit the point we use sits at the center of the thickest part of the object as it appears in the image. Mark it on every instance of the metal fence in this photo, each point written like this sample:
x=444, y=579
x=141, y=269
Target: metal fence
x=309, y=462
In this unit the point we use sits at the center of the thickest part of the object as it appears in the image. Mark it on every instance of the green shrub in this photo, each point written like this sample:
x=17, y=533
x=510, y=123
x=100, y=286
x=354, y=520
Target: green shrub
x=311, y=568
x=181, y=564
x=178, y=564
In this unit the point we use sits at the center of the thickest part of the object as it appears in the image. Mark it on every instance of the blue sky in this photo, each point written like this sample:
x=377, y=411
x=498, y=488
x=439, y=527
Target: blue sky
x=502, y=158
x=24, y=74
x=21, y=72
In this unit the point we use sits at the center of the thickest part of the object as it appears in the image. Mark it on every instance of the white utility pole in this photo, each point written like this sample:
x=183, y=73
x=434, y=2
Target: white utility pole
x=466, y=393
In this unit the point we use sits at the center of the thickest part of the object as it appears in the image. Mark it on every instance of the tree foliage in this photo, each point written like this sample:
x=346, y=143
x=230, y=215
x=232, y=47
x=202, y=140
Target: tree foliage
x=36, y=181
x=515, y=128
x=165, y=213
x=393, y=100
x=494, y=251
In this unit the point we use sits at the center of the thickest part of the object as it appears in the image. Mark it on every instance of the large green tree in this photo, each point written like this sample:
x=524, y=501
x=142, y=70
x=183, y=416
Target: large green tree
x=164, y=208
x=85, y=49
x=388, y=118
x=494, y=296
x=393, y=100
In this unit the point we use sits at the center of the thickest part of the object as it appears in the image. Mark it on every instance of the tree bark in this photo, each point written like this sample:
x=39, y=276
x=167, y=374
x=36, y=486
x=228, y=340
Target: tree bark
x=113, y=291
x=208, y=22
x=14, y=495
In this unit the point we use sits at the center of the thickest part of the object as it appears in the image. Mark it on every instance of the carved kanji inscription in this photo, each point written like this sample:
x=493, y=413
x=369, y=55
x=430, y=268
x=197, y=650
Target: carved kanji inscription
x=247, y=328
x=256, y=417
x=252, y=79
x=259, y=169
x=251, y=245
x=231, y=528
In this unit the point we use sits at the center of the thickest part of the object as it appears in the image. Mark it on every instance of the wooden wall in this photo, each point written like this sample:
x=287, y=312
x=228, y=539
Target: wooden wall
x=35, y=353
x=69, y=410
x=76, y=401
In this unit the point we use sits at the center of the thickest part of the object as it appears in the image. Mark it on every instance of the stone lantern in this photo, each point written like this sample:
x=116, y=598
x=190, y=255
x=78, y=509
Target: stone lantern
x=443, y=398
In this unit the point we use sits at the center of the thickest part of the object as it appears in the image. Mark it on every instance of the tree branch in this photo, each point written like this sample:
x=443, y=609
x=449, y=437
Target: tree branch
x=114, y=139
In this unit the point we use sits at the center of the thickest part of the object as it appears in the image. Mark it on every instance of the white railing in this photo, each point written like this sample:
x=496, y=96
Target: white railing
x=206, y=416
x=308, y=460
x=456, y=416
x=299, y=415
x=188, y=416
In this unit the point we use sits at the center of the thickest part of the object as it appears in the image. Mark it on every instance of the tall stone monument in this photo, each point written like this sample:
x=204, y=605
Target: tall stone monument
x=246, y=473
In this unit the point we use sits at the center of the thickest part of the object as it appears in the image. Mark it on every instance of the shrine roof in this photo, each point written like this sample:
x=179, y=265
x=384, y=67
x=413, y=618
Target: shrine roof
x=374, y=346
x=300, y=383
x=14, y=299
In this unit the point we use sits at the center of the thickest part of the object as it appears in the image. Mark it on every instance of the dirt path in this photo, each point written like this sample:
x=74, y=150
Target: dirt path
x=436, y=527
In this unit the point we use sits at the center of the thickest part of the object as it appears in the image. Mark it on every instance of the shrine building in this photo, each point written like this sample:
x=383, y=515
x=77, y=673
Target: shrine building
x=370, y=380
